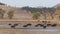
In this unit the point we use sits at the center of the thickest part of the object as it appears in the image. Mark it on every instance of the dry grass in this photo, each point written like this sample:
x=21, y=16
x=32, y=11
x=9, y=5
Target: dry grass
x=13, y=31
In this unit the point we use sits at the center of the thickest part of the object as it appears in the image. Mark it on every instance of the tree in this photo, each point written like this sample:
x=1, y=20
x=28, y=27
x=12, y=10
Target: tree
x=2, y=13
x=10, y=14
x=44, y=14
x=36, y=15
x=52, y=16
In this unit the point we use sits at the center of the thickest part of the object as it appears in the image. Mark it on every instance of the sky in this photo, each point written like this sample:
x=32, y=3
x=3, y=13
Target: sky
x=31, y=3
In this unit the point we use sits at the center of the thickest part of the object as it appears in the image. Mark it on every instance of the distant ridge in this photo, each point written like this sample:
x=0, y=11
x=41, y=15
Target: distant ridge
x=56, y=5
x=41, y=10
x=2, y=3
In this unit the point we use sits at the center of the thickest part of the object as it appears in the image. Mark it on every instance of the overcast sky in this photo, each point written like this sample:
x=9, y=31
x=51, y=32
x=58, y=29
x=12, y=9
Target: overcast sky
x=32, y=3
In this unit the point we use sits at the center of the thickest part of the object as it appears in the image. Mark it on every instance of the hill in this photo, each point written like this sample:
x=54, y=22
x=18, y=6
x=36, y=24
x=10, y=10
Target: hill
x=25, y=12
x=18, y=12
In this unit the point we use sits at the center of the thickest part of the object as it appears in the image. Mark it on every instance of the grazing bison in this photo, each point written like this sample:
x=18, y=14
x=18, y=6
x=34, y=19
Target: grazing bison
x=15, y=24
x=39, y=25
x=12, y=26
x=9, y=24
x=54, y=25
x=27, y=25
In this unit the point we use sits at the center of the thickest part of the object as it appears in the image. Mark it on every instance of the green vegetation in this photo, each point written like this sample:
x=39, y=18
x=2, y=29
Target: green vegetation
x=36, y=9
x=10, y=14
x=44, y=14
x=36, y=15
x=32, y=10
x=2, y=13
x=52, y=15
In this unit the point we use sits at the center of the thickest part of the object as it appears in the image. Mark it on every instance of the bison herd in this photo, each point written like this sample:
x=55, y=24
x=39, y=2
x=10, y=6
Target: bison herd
x=44, y=24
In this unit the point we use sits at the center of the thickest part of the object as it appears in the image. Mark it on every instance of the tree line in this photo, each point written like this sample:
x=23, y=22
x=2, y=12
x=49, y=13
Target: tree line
x=43, y=9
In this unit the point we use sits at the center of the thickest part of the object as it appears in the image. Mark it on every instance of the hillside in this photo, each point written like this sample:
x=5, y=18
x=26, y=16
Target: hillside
x=18, y=12
x=24, y=13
